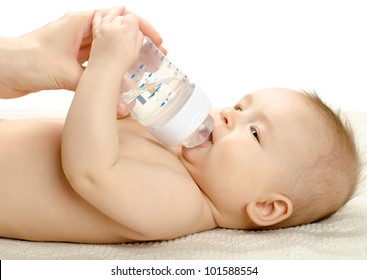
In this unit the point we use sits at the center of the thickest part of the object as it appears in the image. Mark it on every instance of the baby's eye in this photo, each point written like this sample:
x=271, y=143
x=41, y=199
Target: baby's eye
x=255, y=133
x=238, y=107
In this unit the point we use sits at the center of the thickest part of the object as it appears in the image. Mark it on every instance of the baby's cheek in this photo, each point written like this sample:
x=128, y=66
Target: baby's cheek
x=215, y=113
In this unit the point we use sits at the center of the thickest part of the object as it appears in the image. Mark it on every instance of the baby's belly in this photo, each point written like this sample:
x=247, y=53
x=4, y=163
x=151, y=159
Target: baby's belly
x=37, y=201
x=52, y=211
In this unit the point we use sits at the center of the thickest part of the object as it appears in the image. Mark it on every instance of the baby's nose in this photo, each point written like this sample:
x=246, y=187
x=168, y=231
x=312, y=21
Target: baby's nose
x=226, y=116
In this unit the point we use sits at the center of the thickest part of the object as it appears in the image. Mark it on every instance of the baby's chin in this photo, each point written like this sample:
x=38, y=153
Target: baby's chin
x=196, y=156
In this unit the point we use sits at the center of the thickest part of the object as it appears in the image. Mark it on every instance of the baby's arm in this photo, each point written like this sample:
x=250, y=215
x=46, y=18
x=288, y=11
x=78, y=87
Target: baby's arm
x=92, y=116
x=150, y=200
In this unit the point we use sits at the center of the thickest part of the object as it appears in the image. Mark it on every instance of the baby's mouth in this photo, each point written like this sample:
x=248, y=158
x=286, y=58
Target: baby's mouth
x=207, y=142
x=210, y=138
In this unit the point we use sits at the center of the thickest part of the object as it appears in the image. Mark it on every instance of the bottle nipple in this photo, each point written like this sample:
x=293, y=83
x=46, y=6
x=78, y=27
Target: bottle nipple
x=201, y=134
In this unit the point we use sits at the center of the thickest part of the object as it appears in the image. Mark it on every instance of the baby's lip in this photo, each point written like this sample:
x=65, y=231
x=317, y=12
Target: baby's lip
x=207, y=142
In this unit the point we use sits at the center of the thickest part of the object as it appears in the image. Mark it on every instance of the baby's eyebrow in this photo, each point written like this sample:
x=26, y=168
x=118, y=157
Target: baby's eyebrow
x=248, y=99
x=264, y=118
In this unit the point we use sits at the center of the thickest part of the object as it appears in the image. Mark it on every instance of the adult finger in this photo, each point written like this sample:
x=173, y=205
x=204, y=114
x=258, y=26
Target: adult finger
x=148, y=30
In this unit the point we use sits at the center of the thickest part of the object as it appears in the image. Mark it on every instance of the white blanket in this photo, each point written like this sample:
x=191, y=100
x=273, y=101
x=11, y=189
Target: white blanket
x=342, y=236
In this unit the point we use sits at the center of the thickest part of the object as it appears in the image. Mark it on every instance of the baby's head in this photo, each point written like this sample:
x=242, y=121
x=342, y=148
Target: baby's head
x=278, y=158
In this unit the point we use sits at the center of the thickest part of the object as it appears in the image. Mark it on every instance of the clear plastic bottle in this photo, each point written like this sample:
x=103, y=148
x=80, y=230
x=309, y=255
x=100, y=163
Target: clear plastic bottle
x=161, y=98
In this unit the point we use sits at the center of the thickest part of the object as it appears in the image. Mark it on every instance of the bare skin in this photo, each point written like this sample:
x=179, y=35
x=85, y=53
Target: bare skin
x=52, y=57
x=95, y=179
x=38, y=203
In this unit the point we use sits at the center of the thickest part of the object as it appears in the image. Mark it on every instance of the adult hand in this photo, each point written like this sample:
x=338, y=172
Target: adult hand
x=52, y=57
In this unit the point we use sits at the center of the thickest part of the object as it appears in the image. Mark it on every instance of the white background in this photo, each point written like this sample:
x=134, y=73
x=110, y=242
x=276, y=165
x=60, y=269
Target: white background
x=233, y=47
x=267, y=269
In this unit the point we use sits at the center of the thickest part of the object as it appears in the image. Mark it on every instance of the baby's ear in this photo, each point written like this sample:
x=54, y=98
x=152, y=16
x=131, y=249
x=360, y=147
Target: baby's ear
x=271, y=211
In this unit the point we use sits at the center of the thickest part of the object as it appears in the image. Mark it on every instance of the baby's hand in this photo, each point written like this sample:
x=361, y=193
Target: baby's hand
x=117, y=41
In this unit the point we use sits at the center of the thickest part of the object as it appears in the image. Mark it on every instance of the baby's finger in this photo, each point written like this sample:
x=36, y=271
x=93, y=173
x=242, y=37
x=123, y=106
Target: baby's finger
x=118, y=20
x=122, y=110
x=118, y=11
x=97, y=20
x=112, y=14
x=140, y=38
x=132, y=22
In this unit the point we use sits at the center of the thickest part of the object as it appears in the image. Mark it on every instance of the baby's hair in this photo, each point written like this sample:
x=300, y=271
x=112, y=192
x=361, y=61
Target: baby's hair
x=324, y=186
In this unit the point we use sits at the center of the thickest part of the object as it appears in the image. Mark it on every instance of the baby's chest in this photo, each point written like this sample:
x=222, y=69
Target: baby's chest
x=137, y=143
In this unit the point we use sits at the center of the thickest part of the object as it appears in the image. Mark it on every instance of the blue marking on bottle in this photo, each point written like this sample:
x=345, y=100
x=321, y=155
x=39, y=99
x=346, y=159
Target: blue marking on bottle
x=132, y=76
x=150, y=96
x=141, y=66
x=141, y=99
x=150, y=75
x=163, y=103
x=142, y=85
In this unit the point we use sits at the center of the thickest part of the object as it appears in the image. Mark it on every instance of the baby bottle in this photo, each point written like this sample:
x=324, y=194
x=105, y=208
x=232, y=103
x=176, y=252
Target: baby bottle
x=161, y=97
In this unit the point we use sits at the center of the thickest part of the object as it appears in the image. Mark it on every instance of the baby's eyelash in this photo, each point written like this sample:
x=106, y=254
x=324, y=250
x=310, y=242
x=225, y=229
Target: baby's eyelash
x=238, y=107
x=255, y=133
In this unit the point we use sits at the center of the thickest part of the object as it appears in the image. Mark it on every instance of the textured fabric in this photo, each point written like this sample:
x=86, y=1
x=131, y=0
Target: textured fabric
x=342, y=236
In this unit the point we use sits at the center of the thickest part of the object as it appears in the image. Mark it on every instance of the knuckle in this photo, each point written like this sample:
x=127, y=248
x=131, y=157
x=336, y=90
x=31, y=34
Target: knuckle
x=131, y=19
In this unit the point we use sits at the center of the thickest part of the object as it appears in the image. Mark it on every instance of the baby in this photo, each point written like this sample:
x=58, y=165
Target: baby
x=278, y=158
